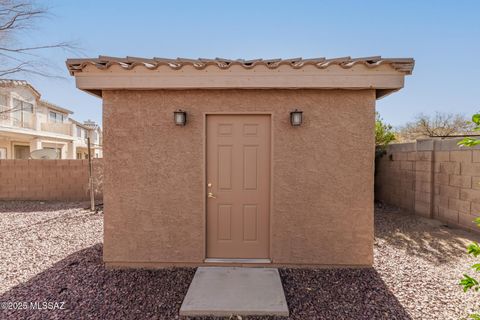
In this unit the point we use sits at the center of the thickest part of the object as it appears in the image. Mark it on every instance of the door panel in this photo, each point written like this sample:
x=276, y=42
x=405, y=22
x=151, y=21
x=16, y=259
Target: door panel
x=225, y=167
x=225, y=222
x=238, y=177
x=250, y=173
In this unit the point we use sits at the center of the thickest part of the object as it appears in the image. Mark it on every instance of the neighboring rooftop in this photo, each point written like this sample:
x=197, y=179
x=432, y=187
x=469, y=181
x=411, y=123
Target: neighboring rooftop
x=14, y=83
x=54, y=106
x=404, y=65
x=88, y=124
x=11, y=83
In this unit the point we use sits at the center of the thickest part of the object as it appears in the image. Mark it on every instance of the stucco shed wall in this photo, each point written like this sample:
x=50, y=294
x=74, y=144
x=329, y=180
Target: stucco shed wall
x=322, y=202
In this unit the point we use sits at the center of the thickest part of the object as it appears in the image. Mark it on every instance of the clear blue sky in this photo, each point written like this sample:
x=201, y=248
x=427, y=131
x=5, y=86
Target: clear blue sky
x=442, y=36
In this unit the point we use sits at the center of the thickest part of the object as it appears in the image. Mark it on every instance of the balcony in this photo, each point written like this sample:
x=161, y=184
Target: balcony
x=56, y=127
x=80, y=142
x=7, y=119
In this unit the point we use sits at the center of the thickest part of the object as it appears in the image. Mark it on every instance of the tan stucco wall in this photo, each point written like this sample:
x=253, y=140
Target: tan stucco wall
x=322, y=202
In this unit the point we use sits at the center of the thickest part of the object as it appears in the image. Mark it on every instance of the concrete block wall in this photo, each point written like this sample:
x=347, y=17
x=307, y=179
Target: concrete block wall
x=433, y=178
x=48, y=179
x=395, y=177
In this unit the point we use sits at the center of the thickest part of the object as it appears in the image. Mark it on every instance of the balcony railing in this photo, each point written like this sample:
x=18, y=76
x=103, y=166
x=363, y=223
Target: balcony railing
x=8, y=120
x=56, y=127
x=5, y=119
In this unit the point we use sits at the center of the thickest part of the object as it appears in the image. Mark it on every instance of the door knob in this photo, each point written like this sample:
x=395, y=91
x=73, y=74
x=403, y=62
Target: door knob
x=210, y=195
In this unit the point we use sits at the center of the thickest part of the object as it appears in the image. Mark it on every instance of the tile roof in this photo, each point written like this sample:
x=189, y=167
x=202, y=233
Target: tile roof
x=14, y=83
x=90, y=124
x=404, y=65
x=83, y=125
x=56, y=107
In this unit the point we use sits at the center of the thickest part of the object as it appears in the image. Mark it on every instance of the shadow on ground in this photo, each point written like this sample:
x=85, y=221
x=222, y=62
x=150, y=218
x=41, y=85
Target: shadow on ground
x=426, y=238
x=92, y=292
x=339, y=294
x=40, y=206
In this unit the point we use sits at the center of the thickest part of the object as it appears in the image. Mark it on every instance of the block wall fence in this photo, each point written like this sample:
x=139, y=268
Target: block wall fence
x=433, y=178
x=49, y=179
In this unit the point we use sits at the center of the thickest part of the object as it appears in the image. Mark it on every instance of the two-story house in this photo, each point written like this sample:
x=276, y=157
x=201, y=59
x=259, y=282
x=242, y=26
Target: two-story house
x=28, y=123
x=88, y=129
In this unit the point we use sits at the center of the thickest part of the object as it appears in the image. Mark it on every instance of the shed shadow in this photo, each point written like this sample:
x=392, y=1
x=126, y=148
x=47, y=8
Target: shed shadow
x=340, y=294
x=89, y=291
x=417, y=236
x=327, y=294
x=92, y=292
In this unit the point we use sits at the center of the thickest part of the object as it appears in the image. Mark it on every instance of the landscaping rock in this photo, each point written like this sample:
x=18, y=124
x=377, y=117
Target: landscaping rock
x=52, y=252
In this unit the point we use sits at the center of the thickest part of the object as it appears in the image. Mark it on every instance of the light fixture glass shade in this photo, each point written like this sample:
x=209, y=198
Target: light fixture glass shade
x=180, y=117
x=296, y=118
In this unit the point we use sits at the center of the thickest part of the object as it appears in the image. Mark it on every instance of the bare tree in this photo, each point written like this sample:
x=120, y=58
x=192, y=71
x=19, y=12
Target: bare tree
x=17, y=17
x=438, y=125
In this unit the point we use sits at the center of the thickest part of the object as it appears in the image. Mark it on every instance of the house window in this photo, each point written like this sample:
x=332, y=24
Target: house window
x=3, y=153
x=21, y=152
x=22, y=114
x=3, y=100
x=56, y=117
x=79, y=155
x=4, y=107
x=81, y=133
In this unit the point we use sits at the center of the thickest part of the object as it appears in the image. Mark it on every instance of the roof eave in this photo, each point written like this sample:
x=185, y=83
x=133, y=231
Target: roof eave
x=404, y=65
x=386, y=75
x=55, y=107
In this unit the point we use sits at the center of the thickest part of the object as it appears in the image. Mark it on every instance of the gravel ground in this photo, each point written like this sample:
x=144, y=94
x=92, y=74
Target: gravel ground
x=51, y=252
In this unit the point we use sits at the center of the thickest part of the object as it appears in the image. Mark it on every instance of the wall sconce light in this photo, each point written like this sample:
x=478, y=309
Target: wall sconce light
x=296, y=118
x=180, y=117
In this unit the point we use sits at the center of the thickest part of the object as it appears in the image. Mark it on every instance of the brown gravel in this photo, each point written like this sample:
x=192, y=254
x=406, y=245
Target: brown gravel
x=52, y=252
x=421, y=262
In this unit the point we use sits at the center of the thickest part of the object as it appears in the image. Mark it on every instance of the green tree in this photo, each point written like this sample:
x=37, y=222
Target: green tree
x=384, y=134
x=468, y=282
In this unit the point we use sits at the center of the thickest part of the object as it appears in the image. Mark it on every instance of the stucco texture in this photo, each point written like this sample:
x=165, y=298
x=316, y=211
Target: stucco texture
x=322, y=182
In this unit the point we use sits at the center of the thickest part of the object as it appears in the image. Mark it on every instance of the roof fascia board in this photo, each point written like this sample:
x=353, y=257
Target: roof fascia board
x=108, y=81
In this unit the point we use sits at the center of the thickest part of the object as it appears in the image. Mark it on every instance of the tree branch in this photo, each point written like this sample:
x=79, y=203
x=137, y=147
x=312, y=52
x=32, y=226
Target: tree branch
x=49, y=46
x=16, y=16
x=19, y=17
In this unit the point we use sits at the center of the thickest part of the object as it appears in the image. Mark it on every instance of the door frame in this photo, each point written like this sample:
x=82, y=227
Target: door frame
x=204, y=188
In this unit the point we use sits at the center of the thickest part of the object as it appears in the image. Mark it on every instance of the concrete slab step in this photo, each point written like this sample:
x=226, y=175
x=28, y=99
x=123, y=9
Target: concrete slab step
x=226, y=291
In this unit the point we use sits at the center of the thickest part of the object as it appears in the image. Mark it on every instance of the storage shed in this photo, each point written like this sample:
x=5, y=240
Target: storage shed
x=216, y=161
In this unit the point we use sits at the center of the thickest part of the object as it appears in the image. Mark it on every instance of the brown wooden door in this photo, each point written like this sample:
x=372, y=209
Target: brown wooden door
x=238, y=178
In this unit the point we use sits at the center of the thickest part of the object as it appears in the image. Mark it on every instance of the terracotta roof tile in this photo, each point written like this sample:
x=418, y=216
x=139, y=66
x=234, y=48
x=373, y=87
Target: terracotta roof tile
x=404, y=65
x=14, y=83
